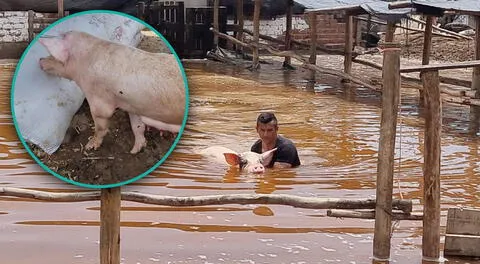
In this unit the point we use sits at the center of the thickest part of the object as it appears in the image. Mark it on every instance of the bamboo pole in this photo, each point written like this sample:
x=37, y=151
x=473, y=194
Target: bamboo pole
x=313, y=42
x=288, y=32
x=427, y=45
x=60, y=8
x=240, y=24
x=216, y=4
x=256, y=32
x=347, y=63
x=431, y=170
x=390, y=101
x=110, y=226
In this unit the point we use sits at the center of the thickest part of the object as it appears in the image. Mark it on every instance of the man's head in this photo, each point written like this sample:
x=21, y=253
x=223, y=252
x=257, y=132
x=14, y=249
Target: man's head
x=267, y=128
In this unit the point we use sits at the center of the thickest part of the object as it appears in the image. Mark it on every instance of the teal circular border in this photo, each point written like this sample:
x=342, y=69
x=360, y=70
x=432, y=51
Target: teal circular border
x=172, y=147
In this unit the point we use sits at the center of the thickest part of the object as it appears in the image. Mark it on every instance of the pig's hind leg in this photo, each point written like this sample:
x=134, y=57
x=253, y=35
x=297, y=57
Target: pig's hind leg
x=101, y=112
x=138, y=128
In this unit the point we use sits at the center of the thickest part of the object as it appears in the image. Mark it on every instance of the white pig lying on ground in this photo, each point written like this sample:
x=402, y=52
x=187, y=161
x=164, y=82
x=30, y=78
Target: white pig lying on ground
x=249, y=161
x=149, y=86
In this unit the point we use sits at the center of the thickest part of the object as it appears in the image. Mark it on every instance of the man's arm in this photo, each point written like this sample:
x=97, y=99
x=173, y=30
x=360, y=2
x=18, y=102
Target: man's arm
x=282, y=165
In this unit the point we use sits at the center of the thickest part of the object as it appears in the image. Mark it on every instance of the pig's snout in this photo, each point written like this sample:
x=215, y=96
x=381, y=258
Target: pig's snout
x=257, y=168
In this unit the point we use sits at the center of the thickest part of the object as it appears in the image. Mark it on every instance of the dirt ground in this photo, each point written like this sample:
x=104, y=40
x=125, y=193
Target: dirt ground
x=111, y=163
x=443, y=49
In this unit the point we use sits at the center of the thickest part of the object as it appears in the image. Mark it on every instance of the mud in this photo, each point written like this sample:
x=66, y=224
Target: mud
x=111, y=163
x=443, y=49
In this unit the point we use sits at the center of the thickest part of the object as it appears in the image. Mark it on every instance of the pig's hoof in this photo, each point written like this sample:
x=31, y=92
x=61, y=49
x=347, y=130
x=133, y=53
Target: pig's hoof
x=92, y=144
x=137, y=147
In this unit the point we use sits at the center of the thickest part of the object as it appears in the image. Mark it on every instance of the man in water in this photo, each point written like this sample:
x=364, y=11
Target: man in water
x=286, y=155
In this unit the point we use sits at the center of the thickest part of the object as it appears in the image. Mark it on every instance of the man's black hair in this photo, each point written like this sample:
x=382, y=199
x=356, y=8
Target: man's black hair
x=266, y=118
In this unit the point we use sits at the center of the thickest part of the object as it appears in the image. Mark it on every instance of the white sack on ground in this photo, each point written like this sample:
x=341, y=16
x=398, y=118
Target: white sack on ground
x=44, y=105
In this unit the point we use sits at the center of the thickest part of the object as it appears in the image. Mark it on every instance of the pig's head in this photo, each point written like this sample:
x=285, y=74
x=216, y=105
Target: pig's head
x=61, y=47
x=250, y=161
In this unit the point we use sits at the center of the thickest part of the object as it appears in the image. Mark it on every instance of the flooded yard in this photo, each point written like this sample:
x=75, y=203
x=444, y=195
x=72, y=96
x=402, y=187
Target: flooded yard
x=336, y=131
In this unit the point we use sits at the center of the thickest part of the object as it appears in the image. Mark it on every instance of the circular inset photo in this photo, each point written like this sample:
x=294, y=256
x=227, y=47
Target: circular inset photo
x=99, y=99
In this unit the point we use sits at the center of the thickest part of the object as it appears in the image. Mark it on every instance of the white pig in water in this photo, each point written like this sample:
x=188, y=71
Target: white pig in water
x=250, y=161
x=149, y=86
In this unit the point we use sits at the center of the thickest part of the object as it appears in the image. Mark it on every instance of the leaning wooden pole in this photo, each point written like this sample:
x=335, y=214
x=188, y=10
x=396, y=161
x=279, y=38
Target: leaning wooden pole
x=216, y=4
x=313, y=43
x=60, y=8
x=239, y=24
x=288, y=32
x=431, y=169
x=110, y=226
x=386, y=151
x=347, y=61
x=256, y=32
x=427, y=46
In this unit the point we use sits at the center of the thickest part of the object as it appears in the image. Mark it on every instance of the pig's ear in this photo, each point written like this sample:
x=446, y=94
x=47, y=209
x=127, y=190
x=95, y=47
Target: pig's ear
x=232, y=158
x=267, y=156
x=56, y=47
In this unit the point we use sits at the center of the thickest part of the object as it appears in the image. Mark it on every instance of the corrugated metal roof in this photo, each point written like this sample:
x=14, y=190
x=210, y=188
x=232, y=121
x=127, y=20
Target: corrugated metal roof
x=378, y=8
x=332, y=4
x=454, y=5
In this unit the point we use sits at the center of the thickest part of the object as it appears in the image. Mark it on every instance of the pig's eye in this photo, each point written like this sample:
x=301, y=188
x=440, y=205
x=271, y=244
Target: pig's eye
x=243, y=163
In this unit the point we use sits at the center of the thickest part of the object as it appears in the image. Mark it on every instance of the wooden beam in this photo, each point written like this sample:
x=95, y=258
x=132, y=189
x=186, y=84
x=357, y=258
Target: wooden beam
x=438, y=28
x=441, y=66
x=256, y=32
x=462, y=245
x=288, y=32
x=476, y=70
x=313, y=43
x=475, y=110
x=31, y=15
x=407, y=28
x=216, y=4
x=141, y=10
x=240, y=24
x=431, y=170
x=390, y=101
x=347, y=61
x=60, y=8
x=427, y=46
x=370, y=215
x=285, y=199
x=400, y=4
x=110, y=226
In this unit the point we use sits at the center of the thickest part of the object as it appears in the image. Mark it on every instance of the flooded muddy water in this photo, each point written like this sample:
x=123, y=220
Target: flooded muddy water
x=336, y=131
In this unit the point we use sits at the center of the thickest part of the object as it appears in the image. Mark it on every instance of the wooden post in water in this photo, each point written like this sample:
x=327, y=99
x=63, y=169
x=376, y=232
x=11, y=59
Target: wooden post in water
x=386, y=151
x=239, y=24
x=313, y=44
x=427, y=46
x=347, y=61
x=475, y=110
x=110, y=226
x=216, y=4
x=288, y=32
x=256, y=32
x=431, y=170
x=60, y=8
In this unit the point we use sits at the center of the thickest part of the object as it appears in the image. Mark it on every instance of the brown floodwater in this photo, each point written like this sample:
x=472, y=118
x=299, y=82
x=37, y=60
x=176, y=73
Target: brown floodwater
x=336, y=131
